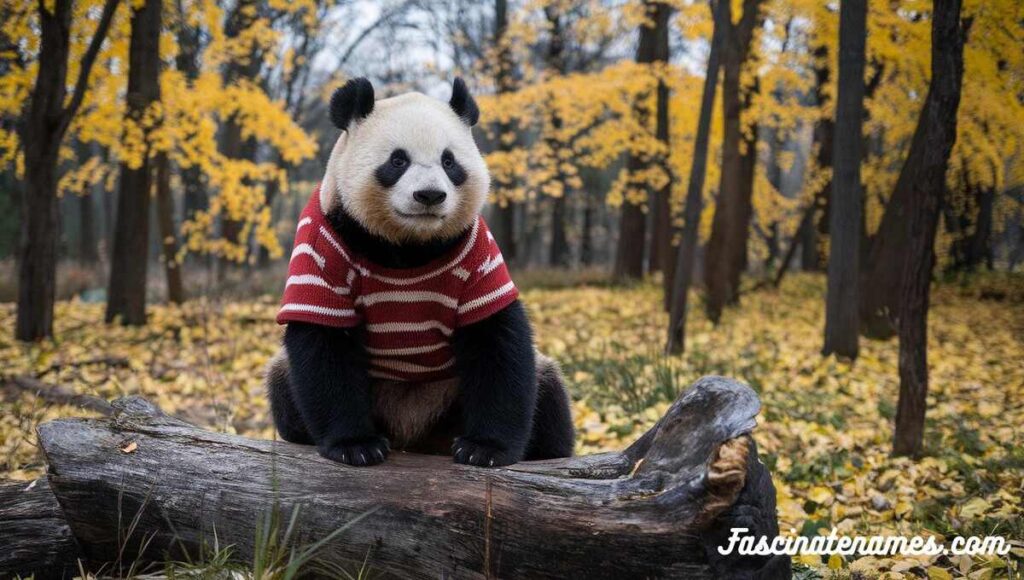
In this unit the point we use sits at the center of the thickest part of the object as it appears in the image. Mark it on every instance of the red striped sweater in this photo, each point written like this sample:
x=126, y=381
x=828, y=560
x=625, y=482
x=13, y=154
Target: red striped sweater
x=409, y=314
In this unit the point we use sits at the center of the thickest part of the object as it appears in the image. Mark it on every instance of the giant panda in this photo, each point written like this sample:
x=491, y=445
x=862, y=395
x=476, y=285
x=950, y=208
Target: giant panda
x=404, y=328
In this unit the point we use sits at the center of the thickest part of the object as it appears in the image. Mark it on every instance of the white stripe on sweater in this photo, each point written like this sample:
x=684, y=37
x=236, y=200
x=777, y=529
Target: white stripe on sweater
x=303, y=222
x=314, y=280
x=461, y=273
x=406, y=351
x=308, y=250
x=406, y=297
x=487, y=298
x=490, y=264
x=321, y=310
x=341, y=250
x=408, y=367
x=387, y=327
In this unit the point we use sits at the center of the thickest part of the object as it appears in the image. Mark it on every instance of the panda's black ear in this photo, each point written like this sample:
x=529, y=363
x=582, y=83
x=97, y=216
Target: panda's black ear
x=352, y=102
x=463, y=104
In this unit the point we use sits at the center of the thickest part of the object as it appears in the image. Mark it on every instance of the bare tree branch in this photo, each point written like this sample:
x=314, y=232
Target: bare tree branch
x=88, y=60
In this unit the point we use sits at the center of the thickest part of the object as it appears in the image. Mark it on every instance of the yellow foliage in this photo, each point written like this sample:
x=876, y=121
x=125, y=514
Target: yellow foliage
x=184, y=123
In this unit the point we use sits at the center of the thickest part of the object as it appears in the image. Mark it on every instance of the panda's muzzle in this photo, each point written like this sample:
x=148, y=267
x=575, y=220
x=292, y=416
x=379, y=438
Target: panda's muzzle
x=429, y=197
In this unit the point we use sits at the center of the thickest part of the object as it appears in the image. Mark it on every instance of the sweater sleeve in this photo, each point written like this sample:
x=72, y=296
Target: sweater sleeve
x=489, y=287
x=319, y=289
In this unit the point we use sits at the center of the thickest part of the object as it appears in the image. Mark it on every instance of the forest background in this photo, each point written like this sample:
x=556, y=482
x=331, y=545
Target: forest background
x=823, y=199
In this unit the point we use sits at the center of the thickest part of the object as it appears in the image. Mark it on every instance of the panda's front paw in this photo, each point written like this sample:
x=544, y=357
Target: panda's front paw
x=469, y=452
x=357, y=452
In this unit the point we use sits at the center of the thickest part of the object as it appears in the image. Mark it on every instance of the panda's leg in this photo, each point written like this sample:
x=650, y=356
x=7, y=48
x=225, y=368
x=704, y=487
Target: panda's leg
x=553, y=434
x=286, y=415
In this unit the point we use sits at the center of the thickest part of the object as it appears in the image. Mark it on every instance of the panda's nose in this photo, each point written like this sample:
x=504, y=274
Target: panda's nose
x=429, y=197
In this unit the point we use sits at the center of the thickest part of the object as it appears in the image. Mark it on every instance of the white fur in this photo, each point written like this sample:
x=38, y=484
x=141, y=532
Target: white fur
x=424, y=127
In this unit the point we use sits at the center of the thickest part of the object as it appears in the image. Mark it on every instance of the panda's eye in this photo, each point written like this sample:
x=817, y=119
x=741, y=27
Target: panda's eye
x=447, y=161
x=399, y=158
x=398, y=161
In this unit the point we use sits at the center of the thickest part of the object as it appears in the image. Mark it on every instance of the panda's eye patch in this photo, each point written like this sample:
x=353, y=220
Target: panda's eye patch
x=455, y=172
x=389, y=172
x=399, y=158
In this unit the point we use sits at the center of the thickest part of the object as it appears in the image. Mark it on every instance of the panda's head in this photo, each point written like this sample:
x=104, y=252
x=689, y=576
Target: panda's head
x=406, y=168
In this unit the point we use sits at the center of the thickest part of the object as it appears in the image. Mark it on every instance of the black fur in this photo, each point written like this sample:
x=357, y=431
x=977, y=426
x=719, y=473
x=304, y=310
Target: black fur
x=352, y=102
x=553, y=434
x=328, y=383
x=453, y=169
x=463, y=104
x=498, y=388
x=389, y=172
x=507, y=410
x=388, y=254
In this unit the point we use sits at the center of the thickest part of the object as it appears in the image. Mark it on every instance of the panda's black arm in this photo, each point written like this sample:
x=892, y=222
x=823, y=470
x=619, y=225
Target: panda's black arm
x=498, y=387
x=331, y=389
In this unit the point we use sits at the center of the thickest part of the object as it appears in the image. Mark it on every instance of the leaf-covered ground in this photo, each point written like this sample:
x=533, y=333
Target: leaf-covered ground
x=825, y=428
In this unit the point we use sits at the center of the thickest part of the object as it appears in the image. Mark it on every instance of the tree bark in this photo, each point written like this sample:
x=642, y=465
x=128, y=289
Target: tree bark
x=187, y=61
x=841, y=304
x=653, y=48
x=971, y=224
x=232, y=144
x=587, y=229
x=558, y=251
x=683, y=272
x=660, y=508
x=924, y=175
x=824, y=135
x=126, y=297
x=41, y=131
x=661, y=237
x=37, y=538
x=168, y=231
x=729, y=230
x=88, y=253
x=504, y=223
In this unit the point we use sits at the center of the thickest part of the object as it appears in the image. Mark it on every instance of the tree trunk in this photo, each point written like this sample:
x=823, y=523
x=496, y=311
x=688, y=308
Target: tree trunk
x=504, y=222
x=841, y=305
x=683, y=274
x=37, y=247
x=971, y=225
x=37, y=538
x=924, y=176
x=233, y=144
x=88, y=253
x=660, y=508
x=810, y=257
x=558, y=251
x=187, y=61
x=729, y=230
x=980, y=249
x=661, y=237
x=168, y=231
x=270, y=193
x=812, y=229
x=41, y=131
x=126, y=297
x=653, y=47
x=587, y=230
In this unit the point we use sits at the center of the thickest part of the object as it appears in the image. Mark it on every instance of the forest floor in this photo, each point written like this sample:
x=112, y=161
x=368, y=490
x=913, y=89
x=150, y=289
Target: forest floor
x=825, y=428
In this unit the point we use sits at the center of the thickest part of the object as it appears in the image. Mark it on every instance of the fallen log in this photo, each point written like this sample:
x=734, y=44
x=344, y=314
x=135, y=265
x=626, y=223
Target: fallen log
x=34, y=536
x=658, y=509
x=56, y=394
